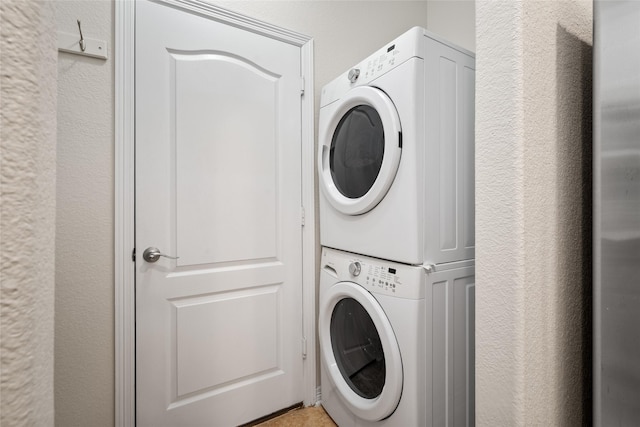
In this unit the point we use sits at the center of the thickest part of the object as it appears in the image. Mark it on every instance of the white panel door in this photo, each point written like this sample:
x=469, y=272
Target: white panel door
x=218, y=185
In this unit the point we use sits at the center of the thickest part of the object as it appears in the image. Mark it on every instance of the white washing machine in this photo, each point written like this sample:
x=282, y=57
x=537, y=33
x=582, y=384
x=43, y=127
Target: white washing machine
x=396, y=342
x=396, y=149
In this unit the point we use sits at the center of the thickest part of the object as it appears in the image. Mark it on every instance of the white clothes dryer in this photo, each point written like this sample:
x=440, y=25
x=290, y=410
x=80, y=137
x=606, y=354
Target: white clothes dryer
x=395, y=342
x=396, y=149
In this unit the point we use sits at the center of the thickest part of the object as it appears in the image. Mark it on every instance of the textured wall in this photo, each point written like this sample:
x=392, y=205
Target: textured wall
x=84, y=334
x=533, y=201
x=27, y=211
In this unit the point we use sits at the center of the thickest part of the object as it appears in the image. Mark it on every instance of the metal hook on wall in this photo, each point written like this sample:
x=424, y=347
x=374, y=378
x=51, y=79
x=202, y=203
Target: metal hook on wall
x=83, y=46
x=68, y=42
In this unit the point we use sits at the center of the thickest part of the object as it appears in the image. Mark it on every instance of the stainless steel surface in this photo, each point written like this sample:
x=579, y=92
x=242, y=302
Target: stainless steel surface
x=355, y=268
x=152, y=254
x=616, y=321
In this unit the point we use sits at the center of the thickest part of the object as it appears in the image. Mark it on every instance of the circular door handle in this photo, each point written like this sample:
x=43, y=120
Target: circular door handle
x=152, y=254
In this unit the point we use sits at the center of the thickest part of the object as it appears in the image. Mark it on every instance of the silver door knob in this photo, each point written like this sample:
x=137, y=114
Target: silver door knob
x=152, y=254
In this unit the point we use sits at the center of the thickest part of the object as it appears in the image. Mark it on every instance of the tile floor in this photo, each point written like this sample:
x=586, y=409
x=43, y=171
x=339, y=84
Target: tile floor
x=313, y=416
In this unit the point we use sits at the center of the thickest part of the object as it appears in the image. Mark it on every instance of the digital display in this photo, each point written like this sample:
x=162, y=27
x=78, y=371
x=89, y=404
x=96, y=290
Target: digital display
x=392, y=270
x=390, y=48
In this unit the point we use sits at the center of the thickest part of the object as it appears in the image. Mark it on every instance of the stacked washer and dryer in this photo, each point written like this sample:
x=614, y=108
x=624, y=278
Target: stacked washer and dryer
x=397, y=301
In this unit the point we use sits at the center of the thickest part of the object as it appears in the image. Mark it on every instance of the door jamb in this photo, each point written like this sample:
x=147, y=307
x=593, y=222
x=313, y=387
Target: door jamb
x=125, y=192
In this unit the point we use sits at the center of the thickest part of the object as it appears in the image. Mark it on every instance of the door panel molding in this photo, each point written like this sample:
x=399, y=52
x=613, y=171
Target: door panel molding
x=125, y=203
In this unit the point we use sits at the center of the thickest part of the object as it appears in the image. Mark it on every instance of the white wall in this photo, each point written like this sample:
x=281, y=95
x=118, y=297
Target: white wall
x=84, y=333
x=344, y=32
x=533, y=202
x=27, y=211
x=454, y=20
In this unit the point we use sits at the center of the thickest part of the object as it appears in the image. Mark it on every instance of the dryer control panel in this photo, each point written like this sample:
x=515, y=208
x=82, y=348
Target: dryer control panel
x=408, y=45
x=376, y=275
x=382, y=62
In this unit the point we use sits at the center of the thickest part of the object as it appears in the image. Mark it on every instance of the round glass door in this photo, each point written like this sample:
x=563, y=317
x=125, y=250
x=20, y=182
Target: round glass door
x=357, y=348
x=359, y=351
x=357, y=150
x=360, y=148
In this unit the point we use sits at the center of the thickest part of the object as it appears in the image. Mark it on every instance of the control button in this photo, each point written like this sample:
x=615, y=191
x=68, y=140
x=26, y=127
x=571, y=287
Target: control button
x=355, y=268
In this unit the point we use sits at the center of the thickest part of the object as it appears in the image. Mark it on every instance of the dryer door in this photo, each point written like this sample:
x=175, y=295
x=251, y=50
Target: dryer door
x=360, y=147
x=360, y=351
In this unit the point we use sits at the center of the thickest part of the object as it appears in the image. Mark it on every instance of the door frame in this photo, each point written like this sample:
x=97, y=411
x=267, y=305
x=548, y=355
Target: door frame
x=125, y=193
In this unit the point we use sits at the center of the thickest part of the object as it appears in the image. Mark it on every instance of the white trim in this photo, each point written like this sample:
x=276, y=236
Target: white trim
x=125, y=192
x=124, y=214
x=309, y=231
x=237, y=20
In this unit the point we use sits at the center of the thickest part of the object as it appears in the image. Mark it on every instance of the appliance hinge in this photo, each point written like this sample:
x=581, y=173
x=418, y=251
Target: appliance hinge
x=302, y=216
x=304, y=348
x=133, y=255
x=429, y=268
x=302, y=86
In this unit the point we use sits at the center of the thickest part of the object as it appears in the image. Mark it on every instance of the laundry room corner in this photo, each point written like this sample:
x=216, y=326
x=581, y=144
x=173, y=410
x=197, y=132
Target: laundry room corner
x=532, y=207
x=84, y=324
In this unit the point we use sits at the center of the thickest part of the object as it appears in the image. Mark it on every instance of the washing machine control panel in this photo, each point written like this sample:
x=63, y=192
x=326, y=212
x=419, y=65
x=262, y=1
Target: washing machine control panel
x=375, y=275
x=382, y=278
x=379, y=276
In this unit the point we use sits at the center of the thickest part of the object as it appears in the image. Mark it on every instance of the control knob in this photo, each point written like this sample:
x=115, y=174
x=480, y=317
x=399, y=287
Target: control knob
x=355, y=268
x=354, y=73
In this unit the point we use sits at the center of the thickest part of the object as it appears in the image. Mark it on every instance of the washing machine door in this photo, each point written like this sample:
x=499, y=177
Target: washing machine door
x=360, y=148
x=360, y=351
